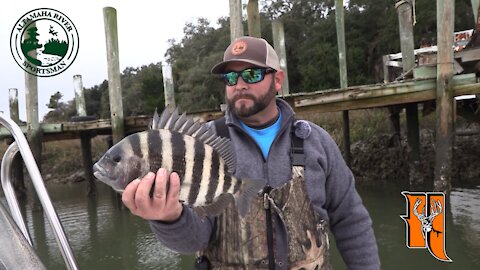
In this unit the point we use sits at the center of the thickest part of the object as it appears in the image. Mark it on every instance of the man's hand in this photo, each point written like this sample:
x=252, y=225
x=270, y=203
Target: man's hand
x=162, y=206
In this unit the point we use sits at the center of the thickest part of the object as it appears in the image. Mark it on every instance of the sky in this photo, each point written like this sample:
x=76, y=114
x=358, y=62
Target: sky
x=144, y=28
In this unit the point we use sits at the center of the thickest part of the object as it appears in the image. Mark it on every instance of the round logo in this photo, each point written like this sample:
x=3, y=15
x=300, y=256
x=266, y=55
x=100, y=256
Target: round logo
x=239, y=47
x=44, y=42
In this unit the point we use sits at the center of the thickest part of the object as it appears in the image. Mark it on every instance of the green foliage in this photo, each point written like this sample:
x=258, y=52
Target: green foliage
x=142, y=89
x=142, y=92
x=54, y=99
x=56, y=47
x=192, y=59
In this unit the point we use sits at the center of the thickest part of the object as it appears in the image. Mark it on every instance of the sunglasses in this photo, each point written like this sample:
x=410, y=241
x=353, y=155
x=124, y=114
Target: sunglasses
x=249, y=75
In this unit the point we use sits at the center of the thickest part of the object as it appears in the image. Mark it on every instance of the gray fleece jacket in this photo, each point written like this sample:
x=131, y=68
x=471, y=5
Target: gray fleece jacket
x=329, y=183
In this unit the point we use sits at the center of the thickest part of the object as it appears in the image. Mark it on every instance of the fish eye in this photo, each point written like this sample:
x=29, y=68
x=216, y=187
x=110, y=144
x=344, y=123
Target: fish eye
x=117, y=158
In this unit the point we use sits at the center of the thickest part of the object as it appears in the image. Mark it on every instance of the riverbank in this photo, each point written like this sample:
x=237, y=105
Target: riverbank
x=383, y=159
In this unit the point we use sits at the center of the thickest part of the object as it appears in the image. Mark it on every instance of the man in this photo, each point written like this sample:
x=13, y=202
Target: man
x=309, y=187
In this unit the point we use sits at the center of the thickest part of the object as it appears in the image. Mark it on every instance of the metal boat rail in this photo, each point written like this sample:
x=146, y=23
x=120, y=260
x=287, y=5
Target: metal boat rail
x=20, y=144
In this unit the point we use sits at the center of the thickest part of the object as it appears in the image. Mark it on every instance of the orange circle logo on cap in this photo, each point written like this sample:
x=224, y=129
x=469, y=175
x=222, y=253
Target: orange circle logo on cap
x=239, y=47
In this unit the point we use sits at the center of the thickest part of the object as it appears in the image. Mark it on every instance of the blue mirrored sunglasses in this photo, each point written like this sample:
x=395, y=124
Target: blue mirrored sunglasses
x=249, y=75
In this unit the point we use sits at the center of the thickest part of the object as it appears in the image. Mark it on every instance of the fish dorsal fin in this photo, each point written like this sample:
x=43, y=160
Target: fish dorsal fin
x=171, y=120
x=155, y=120
x=160, y=122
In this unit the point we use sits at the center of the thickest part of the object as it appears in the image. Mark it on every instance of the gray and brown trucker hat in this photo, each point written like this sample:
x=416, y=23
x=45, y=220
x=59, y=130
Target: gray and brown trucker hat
x=251, y=50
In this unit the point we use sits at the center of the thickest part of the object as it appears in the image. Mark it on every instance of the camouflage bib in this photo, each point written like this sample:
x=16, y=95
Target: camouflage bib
x=242, y=243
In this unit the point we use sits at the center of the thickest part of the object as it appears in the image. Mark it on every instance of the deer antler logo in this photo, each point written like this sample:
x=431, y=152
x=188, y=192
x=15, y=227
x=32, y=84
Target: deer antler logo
x=425, y=222
x=435, y=209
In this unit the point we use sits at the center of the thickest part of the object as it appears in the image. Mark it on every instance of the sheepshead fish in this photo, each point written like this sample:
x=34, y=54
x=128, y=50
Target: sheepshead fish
x=203, y=160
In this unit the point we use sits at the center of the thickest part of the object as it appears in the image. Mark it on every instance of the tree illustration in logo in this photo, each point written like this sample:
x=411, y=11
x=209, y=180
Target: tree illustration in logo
x=43, y=36
x=55, y=46
x=30, y=45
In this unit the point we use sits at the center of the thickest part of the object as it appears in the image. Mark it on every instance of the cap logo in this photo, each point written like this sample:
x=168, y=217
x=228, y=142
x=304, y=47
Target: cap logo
x=239, y=47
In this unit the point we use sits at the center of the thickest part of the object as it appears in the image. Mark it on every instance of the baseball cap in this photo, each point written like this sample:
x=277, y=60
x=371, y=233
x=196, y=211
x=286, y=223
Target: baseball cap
x=251, y=50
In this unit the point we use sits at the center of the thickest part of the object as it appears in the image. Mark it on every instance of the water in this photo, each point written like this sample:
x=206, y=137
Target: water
x=105, y=236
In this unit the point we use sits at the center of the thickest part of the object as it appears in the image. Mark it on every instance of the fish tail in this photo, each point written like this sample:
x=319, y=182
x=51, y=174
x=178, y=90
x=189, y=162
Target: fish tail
x=249, y=189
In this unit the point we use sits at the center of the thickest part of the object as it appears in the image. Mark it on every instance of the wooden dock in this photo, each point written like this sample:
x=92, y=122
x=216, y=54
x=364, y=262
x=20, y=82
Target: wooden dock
x=351, y=98
x=73, y=130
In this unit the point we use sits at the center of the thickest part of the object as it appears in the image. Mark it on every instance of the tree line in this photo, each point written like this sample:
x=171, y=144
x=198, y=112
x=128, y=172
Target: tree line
x=371, y=31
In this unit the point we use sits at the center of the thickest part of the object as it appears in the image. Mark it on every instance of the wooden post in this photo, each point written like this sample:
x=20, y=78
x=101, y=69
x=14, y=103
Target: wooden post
x=404, y=10
x=342, y=52
x=85, y=136
x=444, y=109
x=279, y=45
x=79, y=96
x=475, y=7
x=168, y=89
x=13, y=101
x=34, y=133
x=114, y=84
x=254, y=29
x=386, y=69
x=86, y=142
x=236, y=26
x=342, y=64
x=405, y=23
x=17, y=163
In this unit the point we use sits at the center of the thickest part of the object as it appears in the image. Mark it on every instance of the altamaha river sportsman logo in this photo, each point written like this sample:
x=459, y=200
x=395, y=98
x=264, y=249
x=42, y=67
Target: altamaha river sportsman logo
x=44, y=42
x=425, y=222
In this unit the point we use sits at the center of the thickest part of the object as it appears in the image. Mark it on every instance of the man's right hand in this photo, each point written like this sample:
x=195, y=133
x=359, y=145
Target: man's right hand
x=162, y=206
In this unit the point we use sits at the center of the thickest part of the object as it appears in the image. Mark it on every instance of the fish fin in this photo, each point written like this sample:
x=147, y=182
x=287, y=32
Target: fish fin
x=248, y=190
x=155, y=120
x=159, y=122
x=180, y=122
x=224, y=148
x=171, y=120
x=216, y=208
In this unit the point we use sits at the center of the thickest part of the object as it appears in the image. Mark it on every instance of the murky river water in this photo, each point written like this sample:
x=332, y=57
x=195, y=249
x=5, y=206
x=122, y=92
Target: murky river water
x=105, y=236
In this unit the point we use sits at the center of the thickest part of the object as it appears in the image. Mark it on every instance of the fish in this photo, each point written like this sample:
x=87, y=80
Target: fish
x=204, y=161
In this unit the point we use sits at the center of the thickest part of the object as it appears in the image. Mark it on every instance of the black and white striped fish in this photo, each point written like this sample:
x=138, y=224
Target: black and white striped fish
x=203, y=160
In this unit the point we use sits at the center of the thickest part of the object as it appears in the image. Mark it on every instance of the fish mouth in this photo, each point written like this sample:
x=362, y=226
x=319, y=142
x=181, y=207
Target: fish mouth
x=101, y=174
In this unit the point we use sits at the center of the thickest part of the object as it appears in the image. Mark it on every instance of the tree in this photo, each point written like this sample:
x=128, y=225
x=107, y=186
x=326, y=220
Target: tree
x=54, y=99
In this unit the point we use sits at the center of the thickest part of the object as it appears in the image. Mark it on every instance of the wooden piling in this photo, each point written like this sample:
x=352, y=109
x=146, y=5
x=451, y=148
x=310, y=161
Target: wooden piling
x=79, y=95
x=86, y=142
x=34, y=132
x=114, y=84
x=236, y=26
x=253, y=15
x=342, y=65
x=405, y=22
x=279, y=45
x=13, y=103
x=17, y=163
x=85, y=136
x=475, y=8
x=386, y=69
x=168, y=88
x=444, y=110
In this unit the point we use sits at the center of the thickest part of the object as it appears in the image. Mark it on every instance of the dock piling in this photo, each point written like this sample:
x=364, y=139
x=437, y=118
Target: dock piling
x=114, y=83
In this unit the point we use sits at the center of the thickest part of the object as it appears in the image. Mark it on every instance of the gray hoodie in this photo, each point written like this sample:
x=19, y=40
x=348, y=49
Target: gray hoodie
x=329, y=183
